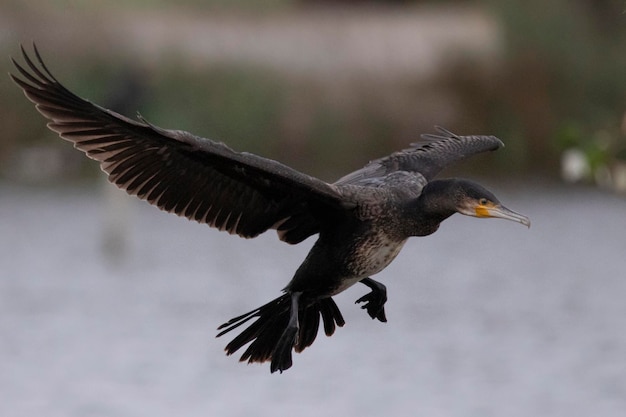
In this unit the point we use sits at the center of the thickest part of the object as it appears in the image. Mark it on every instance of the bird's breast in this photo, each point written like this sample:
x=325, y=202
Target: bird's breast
x=368, y=258
x=373, y=255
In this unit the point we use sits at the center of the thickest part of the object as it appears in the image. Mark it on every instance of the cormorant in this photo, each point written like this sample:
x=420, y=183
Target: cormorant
x=362, y=220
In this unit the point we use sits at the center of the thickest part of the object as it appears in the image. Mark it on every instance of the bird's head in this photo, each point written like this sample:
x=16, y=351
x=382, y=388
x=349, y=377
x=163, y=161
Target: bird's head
x=474, y=200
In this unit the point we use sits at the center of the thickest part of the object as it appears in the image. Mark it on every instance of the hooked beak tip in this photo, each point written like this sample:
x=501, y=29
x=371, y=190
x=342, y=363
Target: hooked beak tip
x=505, y=213
x=501, y=212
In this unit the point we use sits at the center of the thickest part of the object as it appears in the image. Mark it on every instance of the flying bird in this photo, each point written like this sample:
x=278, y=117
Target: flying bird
x=362, y=220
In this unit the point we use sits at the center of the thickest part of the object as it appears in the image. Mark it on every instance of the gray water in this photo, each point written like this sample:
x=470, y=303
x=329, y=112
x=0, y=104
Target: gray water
x=486, y=318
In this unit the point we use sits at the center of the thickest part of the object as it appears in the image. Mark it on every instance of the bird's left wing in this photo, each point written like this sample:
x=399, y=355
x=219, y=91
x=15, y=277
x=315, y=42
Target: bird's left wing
x=182, y=173
x=427, y=158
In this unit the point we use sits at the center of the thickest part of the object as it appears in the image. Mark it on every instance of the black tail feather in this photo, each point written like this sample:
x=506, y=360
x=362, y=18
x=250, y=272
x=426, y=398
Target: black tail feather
x=331, y=316
x=309, y=324
x=271, y=322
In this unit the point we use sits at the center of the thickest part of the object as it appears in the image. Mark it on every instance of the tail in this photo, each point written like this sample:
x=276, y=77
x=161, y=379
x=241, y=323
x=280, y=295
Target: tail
x=271, y=324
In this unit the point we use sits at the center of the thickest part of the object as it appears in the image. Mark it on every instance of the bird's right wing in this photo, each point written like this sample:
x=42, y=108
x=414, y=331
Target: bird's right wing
x=427, y=158
x=182, y=173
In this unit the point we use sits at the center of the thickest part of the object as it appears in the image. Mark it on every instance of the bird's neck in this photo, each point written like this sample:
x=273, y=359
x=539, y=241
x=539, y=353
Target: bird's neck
x=436, y=203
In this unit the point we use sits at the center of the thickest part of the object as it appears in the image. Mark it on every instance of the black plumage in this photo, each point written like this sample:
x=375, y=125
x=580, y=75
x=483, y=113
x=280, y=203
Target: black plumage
x=362, y=220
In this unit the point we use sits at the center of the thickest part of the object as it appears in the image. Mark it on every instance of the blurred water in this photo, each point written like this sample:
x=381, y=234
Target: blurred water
x=486, y=318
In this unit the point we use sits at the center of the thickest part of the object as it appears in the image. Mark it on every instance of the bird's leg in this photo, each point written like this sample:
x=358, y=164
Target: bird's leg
x=376, y=299
x=281, y=356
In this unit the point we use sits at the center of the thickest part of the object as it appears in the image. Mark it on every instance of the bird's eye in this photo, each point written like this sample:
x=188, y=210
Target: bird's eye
x=483, y=201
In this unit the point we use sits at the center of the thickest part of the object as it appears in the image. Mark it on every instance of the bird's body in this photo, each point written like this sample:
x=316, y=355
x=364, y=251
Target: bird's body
x=362, y=220
x=342, y=257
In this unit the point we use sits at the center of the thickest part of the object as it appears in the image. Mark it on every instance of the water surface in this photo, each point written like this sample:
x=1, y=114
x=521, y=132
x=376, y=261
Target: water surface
x=486, y=318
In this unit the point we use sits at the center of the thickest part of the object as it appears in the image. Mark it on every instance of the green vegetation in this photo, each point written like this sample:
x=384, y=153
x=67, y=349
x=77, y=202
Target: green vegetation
x=564, y=82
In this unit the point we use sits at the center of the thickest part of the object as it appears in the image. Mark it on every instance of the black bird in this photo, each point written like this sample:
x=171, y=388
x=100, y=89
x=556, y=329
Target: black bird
x=362, y=220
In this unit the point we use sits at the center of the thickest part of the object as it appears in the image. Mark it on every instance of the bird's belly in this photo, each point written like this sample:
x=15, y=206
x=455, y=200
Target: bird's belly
x=379, y=257
x=369, y=259
x=346, y=283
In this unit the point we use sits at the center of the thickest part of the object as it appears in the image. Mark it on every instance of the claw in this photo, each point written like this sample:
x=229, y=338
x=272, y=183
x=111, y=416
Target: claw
x=374, y=300
x=375, y=305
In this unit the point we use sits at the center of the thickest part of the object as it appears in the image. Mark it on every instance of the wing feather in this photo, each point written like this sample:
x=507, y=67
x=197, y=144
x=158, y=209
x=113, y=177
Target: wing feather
x=179, y=172
x=426, y=158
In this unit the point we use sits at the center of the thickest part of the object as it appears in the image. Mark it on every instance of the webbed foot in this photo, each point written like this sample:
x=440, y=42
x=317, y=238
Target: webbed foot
x=374, y=300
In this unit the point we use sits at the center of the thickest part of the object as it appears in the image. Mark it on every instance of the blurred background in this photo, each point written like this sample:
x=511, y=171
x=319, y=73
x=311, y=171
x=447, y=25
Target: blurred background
x=107, y=306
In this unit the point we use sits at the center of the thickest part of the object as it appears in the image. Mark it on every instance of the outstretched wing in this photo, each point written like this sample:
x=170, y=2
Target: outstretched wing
x=194, y=177
x=427, y=158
